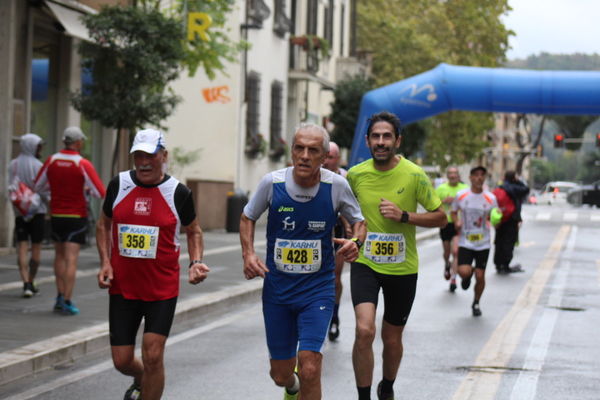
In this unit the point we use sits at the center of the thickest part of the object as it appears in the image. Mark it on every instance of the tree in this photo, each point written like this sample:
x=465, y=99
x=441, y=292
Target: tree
x=414, y=36
x=209, y=54
x=345, y=107
x=135, y=53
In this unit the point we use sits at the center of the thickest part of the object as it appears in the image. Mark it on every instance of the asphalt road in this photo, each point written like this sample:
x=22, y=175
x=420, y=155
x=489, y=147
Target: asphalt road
x=537, y=338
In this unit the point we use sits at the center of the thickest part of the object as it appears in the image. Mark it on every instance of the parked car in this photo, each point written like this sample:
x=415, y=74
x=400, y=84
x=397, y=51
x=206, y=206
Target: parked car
x=585, y=194
x=555, y=192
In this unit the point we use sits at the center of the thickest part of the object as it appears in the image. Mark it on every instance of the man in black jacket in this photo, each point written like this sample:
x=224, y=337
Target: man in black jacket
x=508, y=232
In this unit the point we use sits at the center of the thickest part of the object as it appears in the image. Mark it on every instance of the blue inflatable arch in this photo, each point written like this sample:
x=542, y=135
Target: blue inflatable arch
x=449, y=87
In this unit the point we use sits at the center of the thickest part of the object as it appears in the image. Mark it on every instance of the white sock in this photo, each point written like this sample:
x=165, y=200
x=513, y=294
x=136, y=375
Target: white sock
x=296, y=386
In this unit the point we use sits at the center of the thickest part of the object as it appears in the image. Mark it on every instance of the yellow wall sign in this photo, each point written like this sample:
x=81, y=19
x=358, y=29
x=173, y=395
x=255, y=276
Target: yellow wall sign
x=198, y=23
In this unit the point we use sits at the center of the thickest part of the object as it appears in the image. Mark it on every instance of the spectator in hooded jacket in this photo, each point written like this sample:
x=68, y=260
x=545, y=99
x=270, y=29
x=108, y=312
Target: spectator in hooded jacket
x=29, y=226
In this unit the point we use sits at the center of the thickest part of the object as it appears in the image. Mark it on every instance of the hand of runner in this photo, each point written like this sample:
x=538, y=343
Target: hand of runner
x=105, y=276
x=389, y=210
x=254, y=266
x=197, y=273
x=348, y=249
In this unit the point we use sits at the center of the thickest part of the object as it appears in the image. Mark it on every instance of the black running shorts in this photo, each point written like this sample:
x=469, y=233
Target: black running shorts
x=34, y=229
x=448, y=232
x=466, y=257
x=69, y=229
x=125, y=317
x=398, y=292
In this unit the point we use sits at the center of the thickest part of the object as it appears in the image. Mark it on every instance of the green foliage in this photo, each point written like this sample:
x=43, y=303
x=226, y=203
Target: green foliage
x=457, y=137
x=135, y=53
x=179, y=158
x=548, y=61
x=210, y=55
x=345, y=107
x=590, y=167
x=408, y=37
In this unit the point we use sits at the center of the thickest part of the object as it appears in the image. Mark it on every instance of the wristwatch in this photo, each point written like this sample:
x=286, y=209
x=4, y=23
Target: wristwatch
x=194, y=262
x=357, y=241
x=404, y=217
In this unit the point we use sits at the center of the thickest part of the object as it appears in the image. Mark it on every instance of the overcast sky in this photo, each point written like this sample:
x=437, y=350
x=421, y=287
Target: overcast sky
x=553, y=26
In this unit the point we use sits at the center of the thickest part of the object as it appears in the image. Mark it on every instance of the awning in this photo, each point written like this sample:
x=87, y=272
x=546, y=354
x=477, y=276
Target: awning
x=70, y=20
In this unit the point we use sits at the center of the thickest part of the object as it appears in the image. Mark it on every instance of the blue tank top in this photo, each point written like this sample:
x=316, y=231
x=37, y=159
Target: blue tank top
x=300, y=252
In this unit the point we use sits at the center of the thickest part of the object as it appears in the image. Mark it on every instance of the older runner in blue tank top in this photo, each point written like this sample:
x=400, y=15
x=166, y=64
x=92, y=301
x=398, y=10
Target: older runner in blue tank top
x=303, y=202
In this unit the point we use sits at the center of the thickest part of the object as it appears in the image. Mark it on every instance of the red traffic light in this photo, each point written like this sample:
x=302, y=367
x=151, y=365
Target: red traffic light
x=559, y=140
x=598, y=139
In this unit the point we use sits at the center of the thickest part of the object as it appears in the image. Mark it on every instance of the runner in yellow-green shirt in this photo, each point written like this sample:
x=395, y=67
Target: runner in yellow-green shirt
x=388, y=188
x=447, y=192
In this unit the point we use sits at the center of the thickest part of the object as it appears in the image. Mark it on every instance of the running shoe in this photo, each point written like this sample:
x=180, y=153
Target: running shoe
x=465, y=283
x=34, y=288
x=334, y=329
x=447, y=271
x=453, y=285
x=69, y=308
x=134, y=392
x=27, y=290
x=291, y=396
x=476, y=310
x=386, y=396
x=60, y=303
x=288, y=396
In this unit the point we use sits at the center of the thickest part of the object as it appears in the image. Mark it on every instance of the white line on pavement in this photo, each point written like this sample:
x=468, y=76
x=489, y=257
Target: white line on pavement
x=47, y=279
x=480, y=384
x=570, y=216
x=525, y=387
x=542, y=216
x=106, y=365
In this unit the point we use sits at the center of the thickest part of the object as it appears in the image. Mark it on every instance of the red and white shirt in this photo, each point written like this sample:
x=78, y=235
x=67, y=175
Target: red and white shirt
x=68, y=175
x=145, y=235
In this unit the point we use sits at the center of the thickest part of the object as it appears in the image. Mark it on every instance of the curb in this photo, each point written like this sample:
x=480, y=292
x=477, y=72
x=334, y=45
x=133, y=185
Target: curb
x=37, y=357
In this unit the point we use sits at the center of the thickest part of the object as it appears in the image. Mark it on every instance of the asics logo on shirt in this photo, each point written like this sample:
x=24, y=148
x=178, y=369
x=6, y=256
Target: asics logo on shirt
x=285, y=209
x=400, y=191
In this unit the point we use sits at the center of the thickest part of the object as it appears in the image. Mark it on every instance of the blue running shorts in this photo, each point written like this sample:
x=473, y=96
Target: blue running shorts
x=294, y=327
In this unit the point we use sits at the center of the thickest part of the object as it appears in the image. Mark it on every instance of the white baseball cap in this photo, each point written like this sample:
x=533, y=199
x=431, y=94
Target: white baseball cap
x=149, y=141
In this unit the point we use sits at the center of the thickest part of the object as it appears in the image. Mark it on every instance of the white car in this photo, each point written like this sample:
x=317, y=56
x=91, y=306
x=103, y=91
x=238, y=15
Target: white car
x=555, y=192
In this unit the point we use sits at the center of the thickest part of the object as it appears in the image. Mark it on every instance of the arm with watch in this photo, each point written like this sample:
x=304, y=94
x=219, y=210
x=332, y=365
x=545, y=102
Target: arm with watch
x=429, y=219
x=350, y=247
x=197, y=270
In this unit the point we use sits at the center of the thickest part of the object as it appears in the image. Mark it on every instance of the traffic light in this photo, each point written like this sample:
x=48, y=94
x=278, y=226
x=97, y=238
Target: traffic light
x=598, y=139
x=559, y=140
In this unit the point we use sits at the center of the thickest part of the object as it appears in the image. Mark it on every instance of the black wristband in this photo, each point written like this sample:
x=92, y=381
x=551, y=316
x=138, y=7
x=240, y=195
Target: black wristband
x=194, y=262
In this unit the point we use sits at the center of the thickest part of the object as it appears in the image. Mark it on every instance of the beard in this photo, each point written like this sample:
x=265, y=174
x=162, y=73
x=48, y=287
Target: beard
x=382, y=158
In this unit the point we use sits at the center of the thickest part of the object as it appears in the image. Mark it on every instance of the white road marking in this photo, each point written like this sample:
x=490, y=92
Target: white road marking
x=106, y=365
x=543, y=216
x=480, y=384
x=570, y=216
x=47, y=279
x=525, y=387
x=595, y=217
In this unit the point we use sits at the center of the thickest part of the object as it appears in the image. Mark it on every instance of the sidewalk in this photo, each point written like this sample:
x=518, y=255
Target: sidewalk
x=33, y=338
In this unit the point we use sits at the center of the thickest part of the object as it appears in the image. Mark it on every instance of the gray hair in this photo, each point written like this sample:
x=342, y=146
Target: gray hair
x=310, y=127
